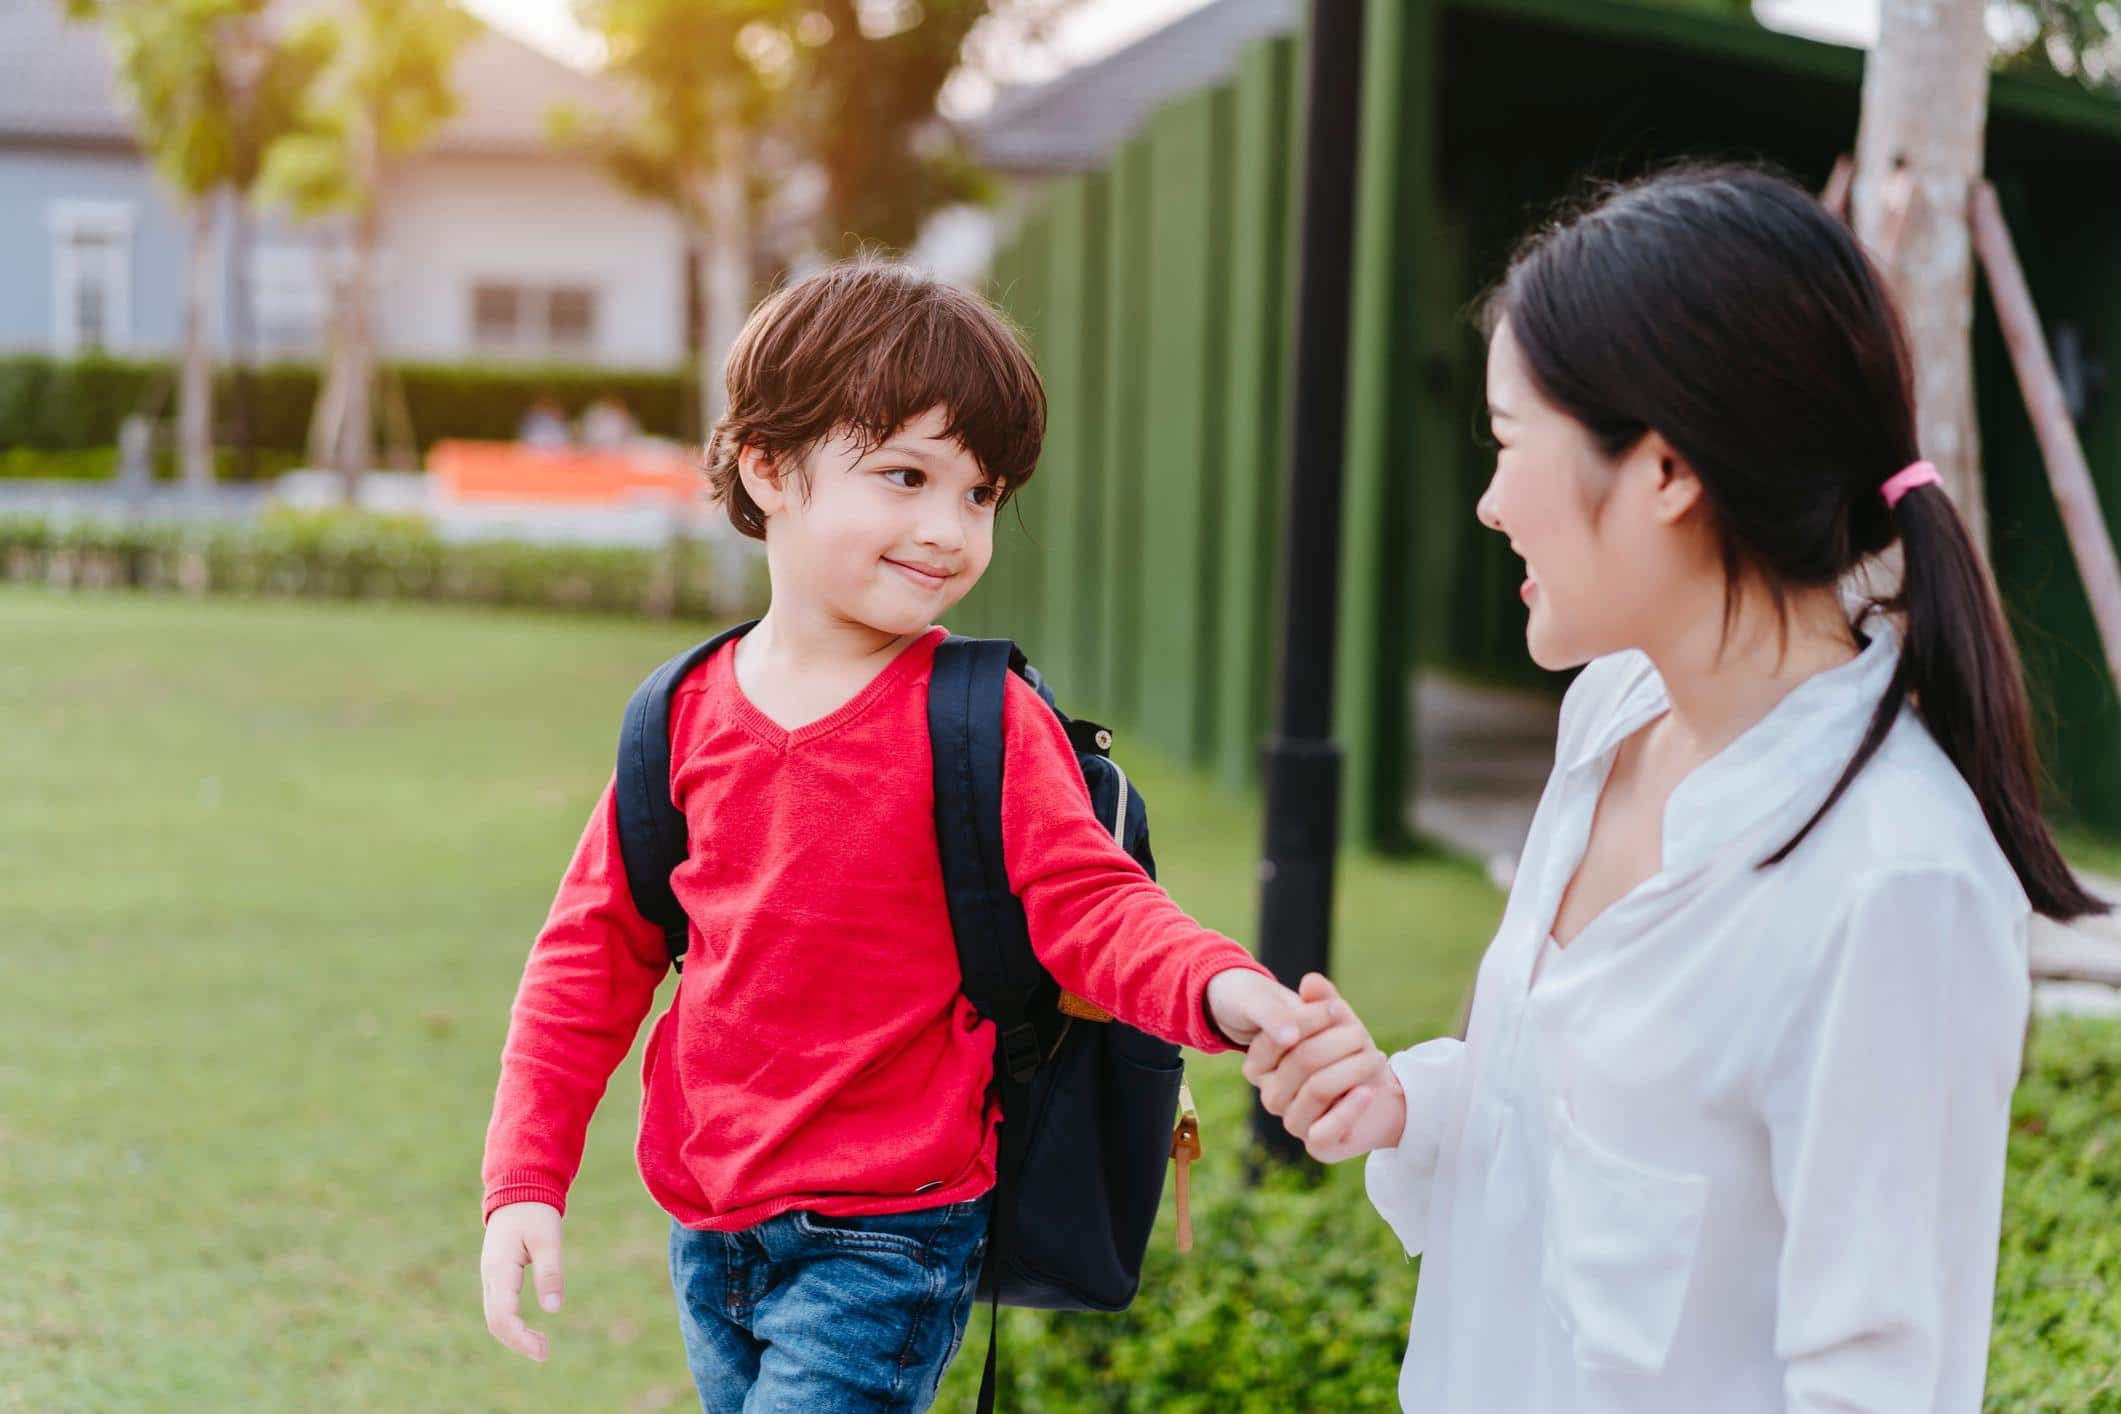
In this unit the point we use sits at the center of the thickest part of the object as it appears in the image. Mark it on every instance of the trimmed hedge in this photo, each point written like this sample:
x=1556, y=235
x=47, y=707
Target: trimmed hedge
x=355, y=555
x=70, y=405
x=101, y=464
x=1298, y=1295
x=2057, y=1342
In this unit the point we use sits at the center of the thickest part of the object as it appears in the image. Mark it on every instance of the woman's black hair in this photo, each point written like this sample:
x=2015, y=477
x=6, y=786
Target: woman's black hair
x=1724, y=308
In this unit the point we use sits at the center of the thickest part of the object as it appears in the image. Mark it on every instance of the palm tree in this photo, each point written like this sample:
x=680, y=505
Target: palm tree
x=212, y=92
x=385, y=98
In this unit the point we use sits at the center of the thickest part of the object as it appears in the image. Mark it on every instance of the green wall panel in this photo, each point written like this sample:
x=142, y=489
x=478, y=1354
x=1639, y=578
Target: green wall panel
x=1188, y=233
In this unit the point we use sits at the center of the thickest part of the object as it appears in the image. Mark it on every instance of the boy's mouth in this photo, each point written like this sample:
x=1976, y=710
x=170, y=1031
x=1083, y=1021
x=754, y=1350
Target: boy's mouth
x=926, y=576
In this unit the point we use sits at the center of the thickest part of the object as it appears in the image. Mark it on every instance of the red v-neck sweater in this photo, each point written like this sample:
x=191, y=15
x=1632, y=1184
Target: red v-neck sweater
x=819, y=1054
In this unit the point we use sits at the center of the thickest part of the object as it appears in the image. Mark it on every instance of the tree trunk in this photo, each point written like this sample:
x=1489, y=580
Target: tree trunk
x=241, y=336
x=195, y=394
x=342, y=430
x=707, y=362
x=726, y=275
x=1918, y=153
x=354, y=446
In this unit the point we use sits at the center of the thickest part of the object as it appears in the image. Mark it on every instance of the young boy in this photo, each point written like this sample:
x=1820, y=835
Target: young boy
x=814, y=1113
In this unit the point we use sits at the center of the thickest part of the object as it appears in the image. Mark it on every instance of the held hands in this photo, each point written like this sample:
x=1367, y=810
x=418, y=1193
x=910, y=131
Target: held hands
x=1319, y=1071
x=519, y=1235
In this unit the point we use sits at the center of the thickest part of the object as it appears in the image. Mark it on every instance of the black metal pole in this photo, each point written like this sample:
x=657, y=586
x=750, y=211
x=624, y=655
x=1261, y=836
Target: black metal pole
x=1302, y=759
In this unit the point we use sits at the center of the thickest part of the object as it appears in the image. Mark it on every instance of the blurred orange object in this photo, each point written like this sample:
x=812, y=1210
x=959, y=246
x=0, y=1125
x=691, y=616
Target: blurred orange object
x=510, y=471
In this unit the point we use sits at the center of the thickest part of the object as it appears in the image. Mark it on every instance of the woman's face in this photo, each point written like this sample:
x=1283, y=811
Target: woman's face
x=1605, y=560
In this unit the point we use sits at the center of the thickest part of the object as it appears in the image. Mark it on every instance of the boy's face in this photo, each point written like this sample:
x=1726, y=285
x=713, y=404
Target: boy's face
x=890, y=538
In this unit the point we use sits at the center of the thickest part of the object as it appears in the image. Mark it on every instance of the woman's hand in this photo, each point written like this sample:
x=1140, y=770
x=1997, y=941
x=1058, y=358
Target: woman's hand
x=1333, y=1088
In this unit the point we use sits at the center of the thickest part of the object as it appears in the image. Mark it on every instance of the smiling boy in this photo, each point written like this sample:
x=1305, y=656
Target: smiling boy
x=816, y=1116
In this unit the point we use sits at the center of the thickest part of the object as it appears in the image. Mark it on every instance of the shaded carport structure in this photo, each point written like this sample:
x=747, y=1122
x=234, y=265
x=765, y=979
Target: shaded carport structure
x=1156, y=287
x=1508, y=105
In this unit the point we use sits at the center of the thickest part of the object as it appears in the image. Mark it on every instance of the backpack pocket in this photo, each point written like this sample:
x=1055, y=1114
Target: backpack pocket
x=1097, y=1121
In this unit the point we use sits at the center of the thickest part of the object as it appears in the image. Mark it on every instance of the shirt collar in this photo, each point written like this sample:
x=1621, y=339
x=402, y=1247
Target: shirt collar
x=1789, y=758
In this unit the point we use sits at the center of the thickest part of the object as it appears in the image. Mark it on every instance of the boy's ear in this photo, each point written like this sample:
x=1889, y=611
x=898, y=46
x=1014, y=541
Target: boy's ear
x=763, y=480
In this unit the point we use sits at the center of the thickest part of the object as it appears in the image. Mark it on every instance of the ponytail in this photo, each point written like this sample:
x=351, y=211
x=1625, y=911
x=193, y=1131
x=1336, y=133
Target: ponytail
x=1959, y=667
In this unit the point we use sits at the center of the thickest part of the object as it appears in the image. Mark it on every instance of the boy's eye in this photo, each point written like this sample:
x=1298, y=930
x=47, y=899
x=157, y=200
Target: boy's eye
x=985, y=496
x=907, y=477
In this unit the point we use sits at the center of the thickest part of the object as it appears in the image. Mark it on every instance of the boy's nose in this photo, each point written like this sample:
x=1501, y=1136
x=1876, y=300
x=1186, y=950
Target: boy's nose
x=943, y=531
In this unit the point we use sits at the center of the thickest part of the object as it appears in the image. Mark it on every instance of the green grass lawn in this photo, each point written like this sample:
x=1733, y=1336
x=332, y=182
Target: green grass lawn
x=2099, y=853
x=272, y=869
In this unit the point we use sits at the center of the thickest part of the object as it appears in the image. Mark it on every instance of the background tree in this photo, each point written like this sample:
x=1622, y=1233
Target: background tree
x=2080, y=39
x=384, y=98
x=822, y=112
x=213, y=90
x=1918, y=154
x=698, y=105
x=869, y=118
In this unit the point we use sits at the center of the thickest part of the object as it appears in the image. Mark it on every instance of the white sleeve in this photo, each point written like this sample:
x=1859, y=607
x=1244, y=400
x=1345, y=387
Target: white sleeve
x=1399, y=1179
x=1887, y=1108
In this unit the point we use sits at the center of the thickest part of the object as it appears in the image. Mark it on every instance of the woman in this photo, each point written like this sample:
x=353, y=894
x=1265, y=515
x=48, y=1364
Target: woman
x=1727, y=1131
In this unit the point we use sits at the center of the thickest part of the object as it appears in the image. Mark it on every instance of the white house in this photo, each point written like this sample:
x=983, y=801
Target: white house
x=495, y=246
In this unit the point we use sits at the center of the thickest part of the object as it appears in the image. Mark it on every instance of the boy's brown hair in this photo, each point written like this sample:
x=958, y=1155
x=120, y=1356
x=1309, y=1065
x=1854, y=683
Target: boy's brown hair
x=862, y=348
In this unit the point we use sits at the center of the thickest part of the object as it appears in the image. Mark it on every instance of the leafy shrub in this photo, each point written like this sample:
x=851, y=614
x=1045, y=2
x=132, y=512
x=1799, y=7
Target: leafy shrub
x=2057, y=1342
x=355, y=555
x=1297, y=1296
x=58, y=405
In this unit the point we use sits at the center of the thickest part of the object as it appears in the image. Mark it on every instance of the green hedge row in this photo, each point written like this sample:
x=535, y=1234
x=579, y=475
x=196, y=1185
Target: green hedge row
x=101, y=464
x=1297, y=1296
x=352, y=555
x=66, y=405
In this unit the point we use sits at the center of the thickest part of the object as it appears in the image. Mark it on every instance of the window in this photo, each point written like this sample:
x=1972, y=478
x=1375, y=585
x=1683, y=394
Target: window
x=533, y=321
x=290, y=299
x=570, y=319
x=91, y=275
x=496, y=316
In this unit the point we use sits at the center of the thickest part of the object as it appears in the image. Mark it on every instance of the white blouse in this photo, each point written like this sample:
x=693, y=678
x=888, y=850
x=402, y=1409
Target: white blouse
x=1742, y=1148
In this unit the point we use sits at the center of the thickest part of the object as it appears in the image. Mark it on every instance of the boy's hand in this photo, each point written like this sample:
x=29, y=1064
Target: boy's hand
x=1332, y=1088
x=520, y=1234
x=1242, y=1003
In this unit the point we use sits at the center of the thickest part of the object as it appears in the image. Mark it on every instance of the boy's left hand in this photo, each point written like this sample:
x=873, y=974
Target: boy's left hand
x=1243, y=1003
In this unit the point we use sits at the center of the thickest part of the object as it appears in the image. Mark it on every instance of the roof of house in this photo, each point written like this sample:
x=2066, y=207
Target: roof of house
x=59, y=86
x=1074, y=121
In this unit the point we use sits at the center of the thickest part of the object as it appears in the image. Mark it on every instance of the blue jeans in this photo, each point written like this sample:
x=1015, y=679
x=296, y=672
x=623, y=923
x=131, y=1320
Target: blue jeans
x=824, y=1315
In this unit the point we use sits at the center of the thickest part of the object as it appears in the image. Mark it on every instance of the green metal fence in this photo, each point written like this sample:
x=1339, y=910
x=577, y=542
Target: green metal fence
x=1138, y=568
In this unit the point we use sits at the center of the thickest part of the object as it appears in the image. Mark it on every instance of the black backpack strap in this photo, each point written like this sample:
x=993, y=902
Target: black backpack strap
x=651, y=828
x=1002, y=975
x=967, y=690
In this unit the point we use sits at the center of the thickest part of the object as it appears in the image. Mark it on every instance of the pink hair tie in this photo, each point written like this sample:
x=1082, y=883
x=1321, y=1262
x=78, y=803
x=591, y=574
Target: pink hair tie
x=1920, y=474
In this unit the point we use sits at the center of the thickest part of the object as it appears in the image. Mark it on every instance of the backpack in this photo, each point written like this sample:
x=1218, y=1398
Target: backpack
x=1087, y=1102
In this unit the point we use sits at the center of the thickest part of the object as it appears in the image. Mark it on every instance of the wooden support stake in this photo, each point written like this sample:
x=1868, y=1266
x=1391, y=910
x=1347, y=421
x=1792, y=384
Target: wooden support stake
x=2075, y=496
x=1838, y=186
